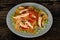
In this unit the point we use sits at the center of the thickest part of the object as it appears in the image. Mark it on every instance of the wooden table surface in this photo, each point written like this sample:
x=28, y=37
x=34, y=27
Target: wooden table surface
x=52, y=34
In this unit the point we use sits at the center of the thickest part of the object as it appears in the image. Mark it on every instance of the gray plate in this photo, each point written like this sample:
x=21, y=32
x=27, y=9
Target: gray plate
x=48, y=26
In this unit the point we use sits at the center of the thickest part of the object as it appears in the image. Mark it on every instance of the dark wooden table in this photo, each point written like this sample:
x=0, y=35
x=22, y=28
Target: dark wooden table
x=52, y=34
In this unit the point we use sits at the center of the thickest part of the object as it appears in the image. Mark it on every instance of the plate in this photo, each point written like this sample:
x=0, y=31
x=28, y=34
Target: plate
x=12, y=11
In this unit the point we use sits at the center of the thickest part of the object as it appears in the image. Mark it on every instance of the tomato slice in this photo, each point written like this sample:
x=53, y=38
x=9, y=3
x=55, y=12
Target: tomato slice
x=33, y=16
x=33, y=13
x=31, y=20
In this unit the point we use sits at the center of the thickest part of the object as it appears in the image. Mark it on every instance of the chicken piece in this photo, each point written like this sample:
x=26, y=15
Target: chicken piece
x=25, y=10
x=33, y=16
x=29, y=24
x=21, y=8
x=22, y=15
x=42, y=22
x=23, y=25
x=39, y=21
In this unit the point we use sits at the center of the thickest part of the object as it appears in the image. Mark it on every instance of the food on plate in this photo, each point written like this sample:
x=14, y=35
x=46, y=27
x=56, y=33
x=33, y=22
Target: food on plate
x=28, y=19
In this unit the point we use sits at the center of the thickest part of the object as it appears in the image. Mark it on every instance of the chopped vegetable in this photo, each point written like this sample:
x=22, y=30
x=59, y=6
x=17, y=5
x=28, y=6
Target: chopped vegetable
x=46, y=21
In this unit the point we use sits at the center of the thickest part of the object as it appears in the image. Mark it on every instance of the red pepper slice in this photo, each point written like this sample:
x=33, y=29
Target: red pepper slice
x=31, y=18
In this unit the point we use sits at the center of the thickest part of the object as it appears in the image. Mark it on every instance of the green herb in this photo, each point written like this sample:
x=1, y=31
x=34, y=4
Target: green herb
x=13, y=23
x=43, y=27
x=46, y=21
x=24, y=31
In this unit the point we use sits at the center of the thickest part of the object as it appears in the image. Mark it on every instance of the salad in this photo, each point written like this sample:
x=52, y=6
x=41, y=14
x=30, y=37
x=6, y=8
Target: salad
x=28, y=19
